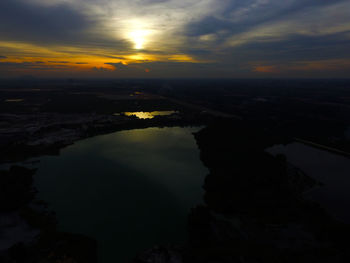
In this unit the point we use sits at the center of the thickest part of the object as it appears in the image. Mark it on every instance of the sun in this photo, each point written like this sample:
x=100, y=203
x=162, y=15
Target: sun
x=138, y=37
x=139, y=32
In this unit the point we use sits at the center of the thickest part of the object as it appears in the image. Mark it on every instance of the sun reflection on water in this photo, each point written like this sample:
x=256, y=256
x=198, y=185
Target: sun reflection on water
x=14, y=100
x=149, y=114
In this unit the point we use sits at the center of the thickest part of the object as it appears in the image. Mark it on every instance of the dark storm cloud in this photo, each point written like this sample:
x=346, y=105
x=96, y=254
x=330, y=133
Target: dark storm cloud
x=2, y=57
x=20, y=20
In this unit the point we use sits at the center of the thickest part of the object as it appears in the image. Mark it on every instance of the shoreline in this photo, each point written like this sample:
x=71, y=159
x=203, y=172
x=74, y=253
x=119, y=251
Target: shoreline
x=36, y=215
x=323, y=147
x=216, y=211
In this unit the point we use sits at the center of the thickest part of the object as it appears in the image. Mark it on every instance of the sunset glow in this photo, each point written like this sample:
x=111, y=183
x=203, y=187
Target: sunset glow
x=172, y=38
x=139, y=38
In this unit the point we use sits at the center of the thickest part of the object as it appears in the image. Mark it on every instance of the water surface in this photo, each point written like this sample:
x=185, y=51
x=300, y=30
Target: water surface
x=332, y=170
x=129, y=190
x=14, y=100
x=149, y=114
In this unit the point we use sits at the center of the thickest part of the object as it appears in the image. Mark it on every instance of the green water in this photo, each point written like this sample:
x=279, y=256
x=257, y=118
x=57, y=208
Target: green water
x=130, y=190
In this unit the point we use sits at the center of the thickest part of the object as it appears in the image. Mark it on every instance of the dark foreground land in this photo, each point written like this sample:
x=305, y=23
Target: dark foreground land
x=254, y=208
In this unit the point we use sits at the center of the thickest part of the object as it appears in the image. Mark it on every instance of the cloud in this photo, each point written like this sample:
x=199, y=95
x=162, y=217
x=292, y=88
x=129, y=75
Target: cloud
x=118, y=65
x=100, y=69
x=266, y=69
x=58, y=62
x=222, y=37
x=22, y=21
x=169, y=69
x=335, y=67
x=271, y=30
x=54, y=25
x=2, y=57
x=271, y=19
x=28, y=65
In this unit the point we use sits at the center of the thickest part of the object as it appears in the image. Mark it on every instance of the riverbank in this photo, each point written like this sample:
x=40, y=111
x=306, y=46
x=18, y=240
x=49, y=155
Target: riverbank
x=26, y=136
x=29, y=229
x=254, y=208
x=323, y=147
x=47, y=134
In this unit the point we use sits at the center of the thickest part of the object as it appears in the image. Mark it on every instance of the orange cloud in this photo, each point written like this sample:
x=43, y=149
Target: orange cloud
x=322, y=65
x=328, y=65
x=266, y=69
x=26, y=58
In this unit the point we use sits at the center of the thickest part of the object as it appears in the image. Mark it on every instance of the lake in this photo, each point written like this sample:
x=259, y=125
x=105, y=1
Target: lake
x=332, y=170
x=129, y=190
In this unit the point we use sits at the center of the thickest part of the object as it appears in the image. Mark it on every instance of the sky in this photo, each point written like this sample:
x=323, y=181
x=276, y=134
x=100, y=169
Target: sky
x=175, y=38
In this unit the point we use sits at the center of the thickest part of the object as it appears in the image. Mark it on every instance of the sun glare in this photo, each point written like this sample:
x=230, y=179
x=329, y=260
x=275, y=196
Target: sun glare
x=138, y=37
x=138, y=32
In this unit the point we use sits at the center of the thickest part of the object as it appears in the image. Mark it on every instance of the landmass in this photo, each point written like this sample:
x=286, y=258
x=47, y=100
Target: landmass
x=254, y=207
